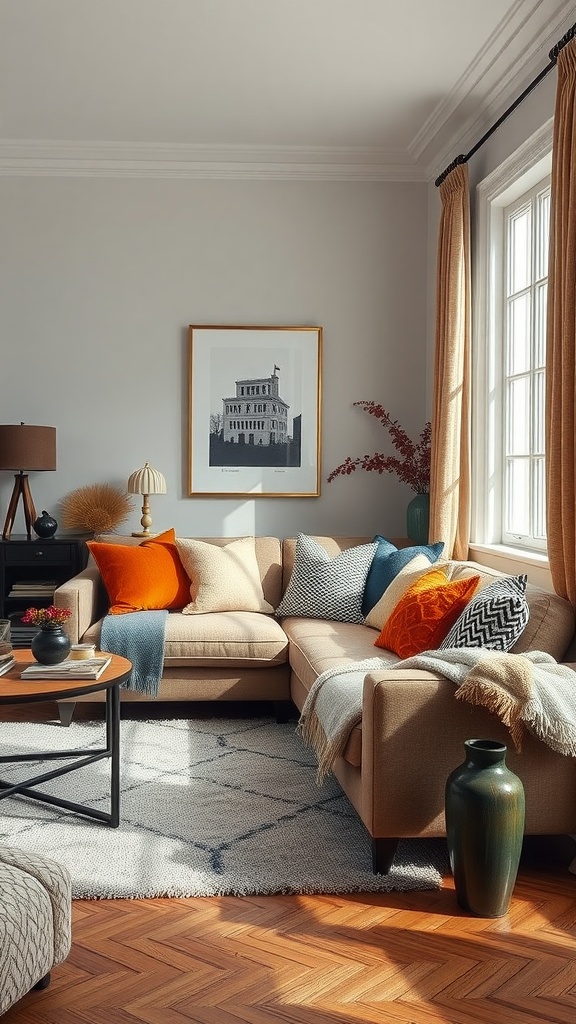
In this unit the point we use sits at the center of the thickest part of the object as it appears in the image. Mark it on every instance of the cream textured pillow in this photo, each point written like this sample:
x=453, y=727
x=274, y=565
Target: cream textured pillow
x=409, y=574
x=222, y=579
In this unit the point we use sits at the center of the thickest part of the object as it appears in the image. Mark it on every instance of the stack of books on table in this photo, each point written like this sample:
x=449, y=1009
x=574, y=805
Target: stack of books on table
x=7, y=658
x=33, y=588
x=70, y=668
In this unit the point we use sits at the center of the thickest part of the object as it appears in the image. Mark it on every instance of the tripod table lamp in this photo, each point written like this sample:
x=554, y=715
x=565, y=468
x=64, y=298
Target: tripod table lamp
x=146, y=481
x=25, y=448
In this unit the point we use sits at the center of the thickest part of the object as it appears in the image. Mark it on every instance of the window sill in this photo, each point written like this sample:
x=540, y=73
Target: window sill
x=513, y=560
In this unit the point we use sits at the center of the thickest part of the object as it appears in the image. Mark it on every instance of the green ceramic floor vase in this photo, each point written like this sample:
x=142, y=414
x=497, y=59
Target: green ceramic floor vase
x=484, y=828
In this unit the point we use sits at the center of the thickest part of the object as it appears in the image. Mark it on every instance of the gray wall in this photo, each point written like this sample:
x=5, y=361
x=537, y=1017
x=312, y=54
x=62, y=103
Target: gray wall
x=100, y=278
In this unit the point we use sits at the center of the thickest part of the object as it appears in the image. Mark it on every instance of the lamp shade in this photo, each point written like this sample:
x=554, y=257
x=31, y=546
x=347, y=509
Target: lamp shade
x=26, y=448
x=146, y=481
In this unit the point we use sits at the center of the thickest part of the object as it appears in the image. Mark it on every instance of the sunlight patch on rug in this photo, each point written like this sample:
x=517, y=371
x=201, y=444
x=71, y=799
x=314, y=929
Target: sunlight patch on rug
x=208, y=807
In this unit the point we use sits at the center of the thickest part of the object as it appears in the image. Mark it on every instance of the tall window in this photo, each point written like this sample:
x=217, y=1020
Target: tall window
x=509, y=351
x=525, y=265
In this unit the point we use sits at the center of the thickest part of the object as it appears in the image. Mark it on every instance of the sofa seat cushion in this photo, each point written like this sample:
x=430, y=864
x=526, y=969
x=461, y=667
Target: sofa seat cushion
x=318, y=644
x=219, y=639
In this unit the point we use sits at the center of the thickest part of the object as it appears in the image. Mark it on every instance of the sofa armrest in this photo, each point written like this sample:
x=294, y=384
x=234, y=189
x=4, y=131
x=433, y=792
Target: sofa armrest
x=413, y=734
x=82, y=595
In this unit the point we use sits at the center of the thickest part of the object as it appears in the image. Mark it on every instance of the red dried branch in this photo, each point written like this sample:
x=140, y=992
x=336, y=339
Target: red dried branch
x=413, y=465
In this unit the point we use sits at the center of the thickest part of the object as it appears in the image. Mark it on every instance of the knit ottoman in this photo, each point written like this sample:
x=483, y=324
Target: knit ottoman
x=35, y=922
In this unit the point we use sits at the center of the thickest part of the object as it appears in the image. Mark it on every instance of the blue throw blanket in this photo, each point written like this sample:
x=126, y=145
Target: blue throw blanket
x=140, y=637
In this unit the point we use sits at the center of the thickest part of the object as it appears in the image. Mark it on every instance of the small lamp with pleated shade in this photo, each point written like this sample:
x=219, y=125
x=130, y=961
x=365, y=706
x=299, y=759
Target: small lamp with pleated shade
x=146, y=481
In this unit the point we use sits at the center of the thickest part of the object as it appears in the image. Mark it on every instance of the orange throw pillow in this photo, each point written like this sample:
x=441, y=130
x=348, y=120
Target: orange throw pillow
x=425, y=614
x=142, y=577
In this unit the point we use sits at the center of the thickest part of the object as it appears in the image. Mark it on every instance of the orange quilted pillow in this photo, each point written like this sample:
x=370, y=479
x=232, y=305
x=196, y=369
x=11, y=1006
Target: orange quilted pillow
x=425, y=614
x=143, y=576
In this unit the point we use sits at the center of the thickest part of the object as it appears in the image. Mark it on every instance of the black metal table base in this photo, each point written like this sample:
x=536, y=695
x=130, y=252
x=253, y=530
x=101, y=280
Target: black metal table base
x=27, y=787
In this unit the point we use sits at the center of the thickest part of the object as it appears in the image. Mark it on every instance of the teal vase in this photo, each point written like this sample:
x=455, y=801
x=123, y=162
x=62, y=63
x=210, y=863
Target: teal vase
x=418, y=518
x=484, y=828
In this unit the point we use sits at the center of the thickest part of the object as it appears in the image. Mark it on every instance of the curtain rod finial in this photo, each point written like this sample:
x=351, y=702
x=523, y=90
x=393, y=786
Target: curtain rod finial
x=460, y=159
x=553, y=55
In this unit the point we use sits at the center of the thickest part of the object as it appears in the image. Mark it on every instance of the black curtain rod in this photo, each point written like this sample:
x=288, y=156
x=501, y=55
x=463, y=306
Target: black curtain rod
x=553, y=55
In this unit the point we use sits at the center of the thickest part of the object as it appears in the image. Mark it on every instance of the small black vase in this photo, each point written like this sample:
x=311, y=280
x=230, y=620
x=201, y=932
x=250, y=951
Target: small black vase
x=51, y=645
x=484, y=828
x=45, y=525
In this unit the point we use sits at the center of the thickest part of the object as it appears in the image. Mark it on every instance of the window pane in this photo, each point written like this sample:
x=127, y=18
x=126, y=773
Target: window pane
x=518, y=349
x=518, y=497
x=540, y=298
x=539, y=525
x=520, y=250
x=518, y=417
x=543, y=232
x=538, y=413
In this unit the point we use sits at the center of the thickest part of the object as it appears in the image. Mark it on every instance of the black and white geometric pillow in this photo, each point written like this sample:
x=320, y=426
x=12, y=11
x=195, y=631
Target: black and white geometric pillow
x=494, y=619
x=322, y=587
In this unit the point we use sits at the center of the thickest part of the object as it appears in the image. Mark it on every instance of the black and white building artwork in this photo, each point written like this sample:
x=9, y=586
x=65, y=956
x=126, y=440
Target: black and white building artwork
x=254, y=428
x=254, y=411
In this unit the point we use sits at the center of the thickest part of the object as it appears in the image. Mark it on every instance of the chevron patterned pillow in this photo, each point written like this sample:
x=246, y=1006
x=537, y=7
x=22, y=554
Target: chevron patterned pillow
x=322, y=587
x=494, y=619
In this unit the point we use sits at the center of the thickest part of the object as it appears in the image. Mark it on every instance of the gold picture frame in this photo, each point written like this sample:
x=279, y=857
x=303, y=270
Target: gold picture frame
x=254, y=411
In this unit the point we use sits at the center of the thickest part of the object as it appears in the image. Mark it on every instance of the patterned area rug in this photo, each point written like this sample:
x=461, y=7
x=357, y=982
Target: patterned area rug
x=208, y=807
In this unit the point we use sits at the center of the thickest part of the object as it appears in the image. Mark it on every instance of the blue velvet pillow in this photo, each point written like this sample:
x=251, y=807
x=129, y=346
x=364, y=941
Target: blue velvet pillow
x=387, y=563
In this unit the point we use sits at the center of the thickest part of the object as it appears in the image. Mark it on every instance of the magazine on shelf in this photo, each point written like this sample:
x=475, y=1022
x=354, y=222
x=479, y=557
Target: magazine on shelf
x=31, y=588
x=87, y=668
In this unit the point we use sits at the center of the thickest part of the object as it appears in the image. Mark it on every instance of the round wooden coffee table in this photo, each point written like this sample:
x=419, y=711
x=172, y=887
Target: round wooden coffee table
x=14, y=690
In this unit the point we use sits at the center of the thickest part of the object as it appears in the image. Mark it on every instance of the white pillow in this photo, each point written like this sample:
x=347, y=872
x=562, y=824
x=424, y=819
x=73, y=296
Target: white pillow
x=222, y=579
x=402, y=582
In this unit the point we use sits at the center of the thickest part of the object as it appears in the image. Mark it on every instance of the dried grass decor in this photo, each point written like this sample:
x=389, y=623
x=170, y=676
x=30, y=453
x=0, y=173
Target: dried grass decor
x=97, y=508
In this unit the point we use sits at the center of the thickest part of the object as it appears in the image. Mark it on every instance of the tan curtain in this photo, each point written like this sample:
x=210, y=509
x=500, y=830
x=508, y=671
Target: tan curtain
x=450, y=463
x=561, y=336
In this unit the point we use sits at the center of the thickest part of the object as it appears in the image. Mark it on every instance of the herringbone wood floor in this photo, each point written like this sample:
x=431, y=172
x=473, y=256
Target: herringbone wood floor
x=318, y=959
x=410, y=958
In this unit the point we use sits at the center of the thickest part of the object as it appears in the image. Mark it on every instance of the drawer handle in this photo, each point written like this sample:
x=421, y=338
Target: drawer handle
x=39, y=554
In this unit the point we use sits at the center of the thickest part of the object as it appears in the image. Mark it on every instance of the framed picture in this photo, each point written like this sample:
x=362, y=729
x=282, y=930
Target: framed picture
x=254, y=411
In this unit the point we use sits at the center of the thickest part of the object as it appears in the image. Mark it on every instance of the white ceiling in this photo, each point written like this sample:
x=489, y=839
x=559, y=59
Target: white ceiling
x=371, y=82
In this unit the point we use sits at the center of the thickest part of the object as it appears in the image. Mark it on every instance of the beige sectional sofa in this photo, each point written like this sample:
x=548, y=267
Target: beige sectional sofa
x=396, y=761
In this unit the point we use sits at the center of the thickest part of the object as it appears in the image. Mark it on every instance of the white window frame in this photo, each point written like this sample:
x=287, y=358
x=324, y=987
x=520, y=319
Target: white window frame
x=517, y=175
x=533, y=288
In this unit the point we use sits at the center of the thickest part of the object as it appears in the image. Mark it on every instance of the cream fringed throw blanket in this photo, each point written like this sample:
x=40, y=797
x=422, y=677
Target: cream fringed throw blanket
x=526, y=691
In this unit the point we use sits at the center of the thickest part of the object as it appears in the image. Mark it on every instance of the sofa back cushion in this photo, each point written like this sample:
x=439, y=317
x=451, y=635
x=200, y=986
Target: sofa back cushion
x=268, y=556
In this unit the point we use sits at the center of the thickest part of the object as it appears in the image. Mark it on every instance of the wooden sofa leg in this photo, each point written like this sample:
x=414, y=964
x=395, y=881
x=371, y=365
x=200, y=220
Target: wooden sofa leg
x=383, y=852
x=66, y=710
x=44, y=982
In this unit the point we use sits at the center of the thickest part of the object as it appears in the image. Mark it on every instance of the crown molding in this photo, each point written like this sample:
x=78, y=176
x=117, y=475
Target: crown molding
x=473, y=76
x=494, y=80
x=69, y=159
